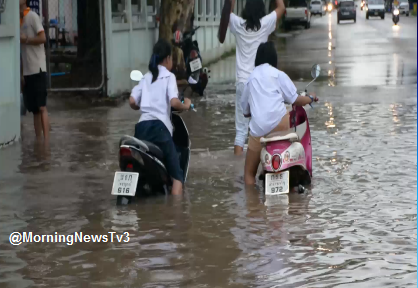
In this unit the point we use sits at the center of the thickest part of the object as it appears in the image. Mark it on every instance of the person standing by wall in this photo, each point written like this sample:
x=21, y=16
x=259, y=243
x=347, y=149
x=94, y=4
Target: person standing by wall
x=32, y=40
x=250, y=31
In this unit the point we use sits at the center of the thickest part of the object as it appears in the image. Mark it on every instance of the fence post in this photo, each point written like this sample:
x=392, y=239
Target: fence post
x=204, y=26
x=146, y=13
x=129, y=12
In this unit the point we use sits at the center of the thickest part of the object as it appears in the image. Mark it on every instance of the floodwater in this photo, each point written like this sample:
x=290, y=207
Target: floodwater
x=356, y=227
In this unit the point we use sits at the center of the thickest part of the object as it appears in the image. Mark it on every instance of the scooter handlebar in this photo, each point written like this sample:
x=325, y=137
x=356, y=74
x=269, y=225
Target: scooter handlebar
x=313, y=100
x=191, y=105
x=305, y=93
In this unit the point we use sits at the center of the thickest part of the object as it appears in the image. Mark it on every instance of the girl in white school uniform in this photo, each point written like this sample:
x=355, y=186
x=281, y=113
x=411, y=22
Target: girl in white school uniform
x=250, y=31
x=263, y=100
x=154, y=96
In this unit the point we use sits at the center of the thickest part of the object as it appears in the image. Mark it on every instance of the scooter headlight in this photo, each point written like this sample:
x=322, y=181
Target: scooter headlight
x=396, y=12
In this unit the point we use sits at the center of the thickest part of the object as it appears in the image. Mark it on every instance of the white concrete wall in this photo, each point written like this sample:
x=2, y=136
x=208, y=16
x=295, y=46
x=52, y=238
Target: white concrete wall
x=9, y=74
x=129, y=43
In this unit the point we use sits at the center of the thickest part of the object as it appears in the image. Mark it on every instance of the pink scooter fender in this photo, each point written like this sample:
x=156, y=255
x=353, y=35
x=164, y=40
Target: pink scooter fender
x=298, y=118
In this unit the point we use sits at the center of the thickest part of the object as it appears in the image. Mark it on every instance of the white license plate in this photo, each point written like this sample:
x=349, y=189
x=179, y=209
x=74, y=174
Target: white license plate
x=277, y=183
x=195, y=65
x=125, y=183
x=346, y=13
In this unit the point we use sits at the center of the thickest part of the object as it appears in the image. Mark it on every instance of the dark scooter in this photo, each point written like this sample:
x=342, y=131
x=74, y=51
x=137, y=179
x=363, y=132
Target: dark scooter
x=198, y=76
x=395, y=15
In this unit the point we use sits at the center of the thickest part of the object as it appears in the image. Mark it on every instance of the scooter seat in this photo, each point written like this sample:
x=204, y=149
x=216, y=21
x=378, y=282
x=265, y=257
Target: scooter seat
x=142, y=145
x=280, y=136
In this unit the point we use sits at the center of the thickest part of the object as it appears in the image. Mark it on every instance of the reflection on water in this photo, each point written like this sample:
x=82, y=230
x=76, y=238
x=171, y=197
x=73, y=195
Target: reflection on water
x=396, y=28
x=330, y=123
x=223, y=71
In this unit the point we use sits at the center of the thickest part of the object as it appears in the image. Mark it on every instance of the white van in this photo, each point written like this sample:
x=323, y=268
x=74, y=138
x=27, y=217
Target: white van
x=403, y=7
x=317, y=7
x=375, y=8
x=297, y=13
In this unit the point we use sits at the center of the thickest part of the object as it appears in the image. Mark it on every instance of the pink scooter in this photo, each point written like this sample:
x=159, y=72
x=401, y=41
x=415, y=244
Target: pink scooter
x=286, y=156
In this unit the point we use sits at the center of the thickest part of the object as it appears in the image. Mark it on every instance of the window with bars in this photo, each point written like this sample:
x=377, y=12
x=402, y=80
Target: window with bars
x=216, y=8
x=208, y=7
x=119, y=8
x=199, y=7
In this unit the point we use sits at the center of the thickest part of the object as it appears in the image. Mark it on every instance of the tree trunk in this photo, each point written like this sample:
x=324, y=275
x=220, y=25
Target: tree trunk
x=176, y=15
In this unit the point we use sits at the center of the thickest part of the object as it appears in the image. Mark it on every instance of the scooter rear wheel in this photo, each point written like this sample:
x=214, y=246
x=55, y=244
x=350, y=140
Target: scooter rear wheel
x=301, y=189
x=123, y=200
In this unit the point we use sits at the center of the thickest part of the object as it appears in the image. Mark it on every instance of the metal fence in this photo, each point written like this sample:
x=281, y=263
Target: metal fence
x=70, y=70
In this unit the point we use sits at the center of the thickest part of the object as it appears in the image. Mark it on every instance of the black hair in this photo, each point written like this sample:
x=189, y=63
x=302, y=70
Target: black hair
x=266, y=53
x=253, y=12
x=28, y=3
x=161, y=50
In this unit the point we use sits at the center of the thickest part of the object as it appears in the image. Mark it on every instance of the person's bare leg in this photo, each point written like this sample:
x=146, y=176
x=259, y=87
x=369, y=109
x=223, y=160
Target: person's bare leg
x=37, y=122
x=45, y=122
x=238, y=150
x=252, y=160
x=177, y=188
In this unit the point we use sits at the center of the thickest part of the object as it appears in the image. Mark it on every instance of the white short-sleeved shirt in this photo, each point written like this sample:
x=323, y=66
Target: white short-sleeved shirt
x=154, y=99
x=264, y=98
x=33, y=56
x=248, y=42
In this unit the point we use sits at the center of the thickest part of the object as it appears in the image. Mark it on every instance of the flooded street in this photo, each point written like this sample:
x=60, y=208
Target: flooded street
x=356, y=227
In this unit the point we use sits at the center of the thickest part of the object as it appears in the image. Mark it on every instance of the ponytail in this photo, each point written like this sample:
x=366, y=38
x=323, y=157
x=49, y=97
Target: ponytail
x=153, y=67
x=161, y=51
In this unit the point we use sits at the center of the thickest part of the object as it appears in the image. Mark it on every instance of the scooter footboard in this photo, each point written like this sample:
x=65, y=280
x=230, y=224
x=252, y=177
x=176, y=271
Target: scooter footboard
x=184, y=157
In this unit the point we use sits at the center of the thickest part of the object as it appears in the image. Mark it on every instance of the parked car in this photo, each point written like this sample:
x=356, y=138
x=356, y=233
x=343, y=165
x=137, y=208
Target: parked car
x=375, y=8
x=297, y=13
x=403, y=7
x=317, y=8
x=346, y=11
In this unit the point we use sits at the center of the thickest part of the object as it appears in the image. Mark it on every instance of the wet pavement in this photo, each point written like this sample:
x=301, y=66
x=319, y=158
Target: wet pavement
x=356, y=227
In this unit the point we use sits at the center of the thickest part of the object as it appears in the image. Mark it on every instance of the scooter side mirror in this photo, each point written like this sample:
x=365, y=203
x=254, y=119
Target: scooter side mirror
x=136, y=75
x=315, y=71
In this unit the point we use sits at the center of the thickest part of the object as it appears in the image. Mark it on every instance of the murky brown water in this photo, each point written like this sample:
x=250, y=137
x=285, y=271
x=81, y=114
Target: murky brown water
x=355, y=228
